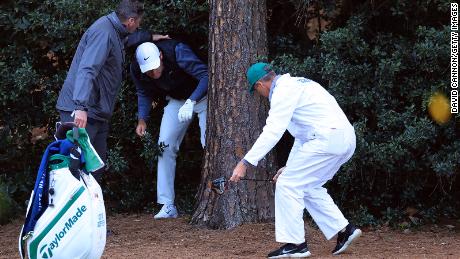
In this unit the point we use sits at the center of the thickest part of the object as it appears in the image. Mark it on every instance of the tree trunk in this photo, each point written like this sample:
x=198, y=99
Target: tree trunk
x=237, y=37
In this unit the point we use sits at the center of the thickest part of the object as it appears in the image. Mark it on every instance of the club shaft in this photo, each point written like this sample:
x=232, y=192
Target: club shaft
x=255, y=180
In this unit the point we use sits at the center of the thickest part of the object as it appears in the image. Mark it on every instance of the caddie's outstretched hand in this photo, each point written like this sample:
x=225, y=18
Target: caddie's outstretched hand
x=239, y=172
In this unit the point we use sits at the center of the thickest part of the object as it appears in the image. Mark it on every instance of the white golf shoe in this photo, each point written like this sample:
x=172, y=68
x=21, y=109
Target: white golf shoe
x=168, y=211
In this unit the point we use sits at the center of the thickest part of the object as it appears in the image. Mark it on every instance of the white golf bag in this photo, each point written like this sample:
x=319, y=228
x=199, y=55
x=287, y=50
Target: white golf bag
x=66, y=214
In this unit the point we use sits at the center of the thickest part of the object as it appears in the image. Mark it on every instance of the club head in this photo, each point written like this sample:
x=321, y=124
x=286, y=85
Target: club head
x=219, y=185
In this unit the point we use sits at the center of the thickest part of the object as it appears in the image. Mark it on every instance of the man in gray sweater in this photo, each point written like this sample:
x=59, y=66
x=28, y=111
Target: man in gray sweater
x=88, y=95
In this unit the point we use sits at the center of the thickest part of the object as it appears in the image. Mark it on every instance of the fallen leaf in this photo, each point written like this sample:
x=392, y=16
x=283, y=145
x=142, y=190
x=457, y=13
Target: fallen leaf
x=38, y=134
x=411, y=211
x=450, y=227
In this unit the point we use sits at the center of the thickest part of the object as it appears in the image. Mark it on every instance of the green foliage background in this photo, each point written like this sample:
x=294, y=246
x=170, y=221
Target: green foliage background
x=380, y=60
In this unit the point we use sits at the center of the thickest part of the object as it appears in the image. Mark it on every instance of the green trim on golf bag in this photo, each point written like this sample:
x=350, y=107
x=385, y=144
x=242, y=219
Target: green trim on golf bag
x=75, y=227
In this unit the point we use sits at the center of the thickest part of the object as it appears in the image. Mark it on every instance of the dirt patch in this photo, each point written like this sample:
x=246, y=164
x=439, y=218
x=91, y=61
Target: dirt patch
x=139, y=236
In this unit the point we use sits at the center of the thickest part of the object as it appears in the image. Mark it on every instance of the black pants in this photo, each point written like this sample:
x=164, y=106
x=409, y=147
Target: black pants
x=97, y=132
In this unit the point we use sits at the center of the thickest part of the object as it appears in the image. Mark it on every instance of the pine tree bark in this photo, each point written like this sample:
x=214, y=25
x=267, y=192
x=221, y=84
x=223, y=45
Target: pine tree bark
x=237, y=37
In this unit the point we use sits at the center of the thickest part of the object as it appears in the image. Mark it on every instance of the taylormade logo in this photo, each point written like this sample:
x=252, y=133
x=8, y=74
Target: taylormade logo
x=48, y=253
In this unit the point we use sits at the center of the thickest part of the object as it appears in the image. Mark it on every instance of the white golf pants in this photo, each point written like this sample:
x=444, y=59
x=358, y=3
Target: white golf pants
x=310, y=165
x=172, y=133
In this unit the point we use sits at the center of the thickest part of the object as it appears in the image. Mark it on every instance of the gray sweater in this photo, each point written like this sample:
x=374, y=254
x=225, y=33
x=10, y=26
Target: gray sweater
x=96, y=72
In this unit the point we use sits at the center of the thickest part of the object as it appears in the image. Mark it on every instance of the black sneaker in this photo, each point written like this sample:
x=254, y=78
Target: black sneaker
x=345, y=238
x=291, y=250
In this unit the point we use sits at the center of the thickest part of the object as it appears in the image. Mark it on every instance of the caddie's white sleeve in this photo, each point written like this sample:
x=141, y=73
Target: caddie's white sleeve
x=284, y=102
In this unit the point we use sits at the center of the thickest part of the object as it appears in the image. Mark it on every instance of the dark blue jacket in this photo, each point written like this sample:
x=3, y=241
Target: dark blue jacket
x=184, y=76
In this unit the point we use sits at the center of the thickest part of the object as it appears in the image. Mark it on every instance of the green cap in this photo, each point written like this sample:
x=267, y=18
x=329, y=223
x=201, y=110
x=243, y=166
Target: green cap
x=256, y=72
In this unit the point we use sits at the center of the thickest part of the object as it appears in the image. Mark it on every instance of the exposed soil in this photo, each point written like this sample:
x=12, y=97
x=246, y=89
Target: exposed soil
x=139, y=236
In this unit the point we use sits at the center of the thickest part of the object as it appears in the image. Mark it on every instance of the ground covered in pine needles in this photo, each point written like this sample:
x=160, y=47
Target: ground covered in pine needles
x=139, y=236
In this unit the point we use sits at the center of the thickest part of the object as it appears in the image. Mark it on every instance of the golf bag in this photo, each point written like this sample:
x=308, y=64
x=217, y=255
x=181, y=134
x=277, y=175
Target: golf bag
x=66, y=215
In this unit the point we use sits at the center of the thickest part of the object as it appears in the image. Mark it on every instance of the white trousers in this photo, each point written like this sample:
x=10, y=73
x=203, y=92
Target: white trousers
x=172, y=133
x=310, y=165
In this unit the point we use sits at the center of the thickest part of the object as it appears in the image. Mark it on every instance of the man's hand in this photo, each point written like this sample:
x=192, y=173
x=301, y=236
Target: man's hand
x=239, y=172
x=186, y=111
x=157, y=37
x=80, y=118
x=278, y=174
x=141, y=126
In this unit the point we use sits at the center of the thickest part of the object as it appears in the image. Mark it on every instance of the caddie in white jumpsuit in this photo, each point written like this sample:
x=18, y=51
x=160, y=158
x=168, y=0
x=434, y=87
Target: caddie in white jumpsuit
x=324, y=140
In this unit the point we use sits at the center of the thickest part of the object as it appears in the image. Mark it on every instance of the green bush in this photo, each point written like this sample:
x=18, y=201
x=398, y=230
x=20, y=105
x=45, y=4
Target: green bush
x=381, y=61
x=6, y=205
x=37, y=45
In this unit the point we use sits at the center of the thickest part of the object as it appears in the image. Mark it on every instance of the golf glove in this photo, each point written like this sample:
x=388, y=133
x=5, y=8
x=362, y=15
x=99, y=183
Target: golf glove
x=186, y=111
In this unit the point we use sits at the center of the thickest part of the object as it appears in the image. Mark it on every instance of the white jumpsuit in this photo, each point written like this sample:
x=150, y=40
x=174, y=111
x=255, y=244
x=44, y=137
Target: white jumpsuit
x=324, y=140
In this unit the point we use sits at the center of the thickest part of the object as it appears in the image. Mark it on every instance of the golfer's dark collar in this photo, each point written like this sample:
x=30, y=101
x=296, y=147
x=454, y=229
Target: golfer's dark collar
x=273, y=86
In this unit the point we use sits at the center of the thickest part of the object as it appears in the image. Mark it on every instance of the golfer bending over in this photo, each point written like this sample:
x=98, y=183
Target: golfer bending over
x=170, y=70
x=324, y=140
